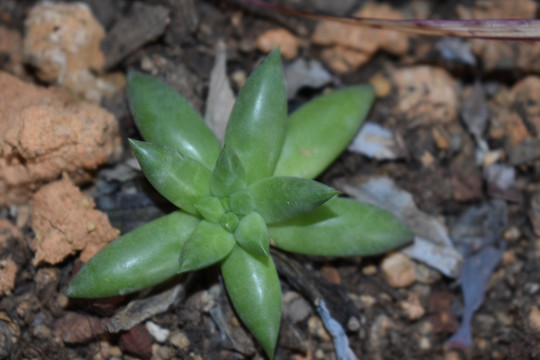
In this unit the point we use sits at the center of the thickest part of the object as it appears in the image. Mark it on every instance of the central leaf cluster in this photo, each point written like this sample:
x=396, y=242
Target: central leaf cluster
x=232, y=211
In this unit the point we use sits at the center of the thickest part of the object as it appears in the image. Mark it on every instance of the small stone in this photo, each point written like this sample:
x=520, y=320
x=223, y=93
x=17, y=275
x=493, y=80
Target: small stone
x=412, y=307
x=317, y=328
x=180, y=340
x=330, y=274
x=271, y=39
x=509, y=257
x=295, y=307
x=369, y=270
x=161, y=352
x=424, y=343
x=452, y=355
x=398, y=270
x=534, y=320
x=512, y=233
x=441, y=139
x=353, y=324
x=157, y=332
x=381, y=84
x=427, y=159
x=426, y=275
x=42, y=332
x=8, y=274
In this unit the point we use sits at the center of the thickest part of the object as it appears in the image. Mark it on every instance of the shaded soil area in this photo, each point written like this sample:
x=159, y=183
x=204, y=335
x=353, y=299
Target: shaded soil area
x=452, y=144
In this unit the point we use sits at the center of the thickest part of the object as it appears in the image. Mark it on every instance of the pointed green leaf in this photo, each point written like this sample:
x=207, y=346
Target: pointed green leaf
x=257, y=124
x=164, y=117
x=241, y=203
x=141, y=258
x=229, y=221
x=253, y=286
x=180, y=179
x=341, y=227
x=321, y=129
x=228, y=175
x=252, y=234
x=208, y=244
x=281, y=197
x=210, y=208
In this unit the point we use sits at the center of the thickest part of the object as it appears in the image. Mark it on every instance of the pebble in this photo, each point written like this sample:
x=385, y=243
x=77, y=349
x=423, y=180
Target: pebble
x=273, y=38
x=369, y=270
x=157, y=332
x=381, y=85
x=317, y=328
x=330, y=274
x=534, y=320
x=412, y=307
x=512, y=233
x=424, y=343
x=180, y=340
x=398, y=270
x=295, y=307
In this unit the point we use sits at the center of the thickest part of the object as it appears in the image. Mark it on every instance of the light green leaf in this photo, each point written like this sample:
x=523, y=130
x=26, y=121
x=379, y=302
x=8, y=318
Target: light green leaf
x=210, y=208
x=141, y=258
x=281, y=197
x=321, y=129
x=252, y=234
x=257, y=124
x=164, y=117
x=228, y=175
x=180, y=179
x=253, y=286
x=208, y=244
x=341, y=227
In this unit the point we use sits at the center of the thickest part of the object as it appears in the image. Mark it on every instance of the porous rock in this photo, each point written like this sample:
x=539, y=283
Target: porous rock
x=44, y=132
x=65, y=221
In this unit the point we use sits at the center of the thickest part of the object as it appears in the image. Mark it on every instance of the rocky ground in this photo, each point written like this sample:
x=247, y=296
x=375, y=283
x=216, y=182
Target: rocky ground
x=452, y=146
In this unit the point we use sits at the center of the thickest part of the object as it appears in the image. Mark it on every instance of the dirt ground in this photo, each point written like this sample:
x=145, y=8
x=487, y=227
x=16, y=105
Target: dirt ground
x=452, y=145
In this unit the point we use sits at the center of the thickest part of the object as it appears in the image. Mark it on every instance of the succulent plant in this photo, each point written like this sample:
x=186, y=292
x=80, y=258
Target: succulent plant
x=237, y=200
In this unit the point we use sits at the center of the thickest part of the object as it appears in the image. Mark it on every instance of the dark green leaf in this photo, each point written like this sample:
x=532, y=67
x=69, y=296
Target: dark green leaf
x=281, y=197
x=341, y=227
x=164, y=117
x=320, y=130
x=253, y=286
x=257, y=124
x=141, y=258
x=180, y=179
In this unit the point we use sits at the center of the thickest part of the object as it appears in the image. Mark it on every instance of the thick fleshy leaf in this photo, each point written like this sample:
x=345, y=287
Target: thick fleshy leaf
x=165, y=117
x=282, y=197
x=228, y=175
x=252, y=234
x=257, y=124
x=253, y=286
x=321, y=129
x=210, y=208
x=180, y=179
x=341, y=227
x=241, y=203
x=141, y=258
x=208, y=244
x=229, y=221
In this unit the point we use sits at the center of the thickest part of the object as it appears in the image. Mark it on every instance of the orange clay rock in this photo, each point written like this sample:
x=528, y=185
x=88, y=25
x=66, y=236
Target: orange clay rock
x=273, y=38
x=426, y=95
x=62, y=41
x=44, y=132
x=8, y=268
x=352, y=46
x=65, y=221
